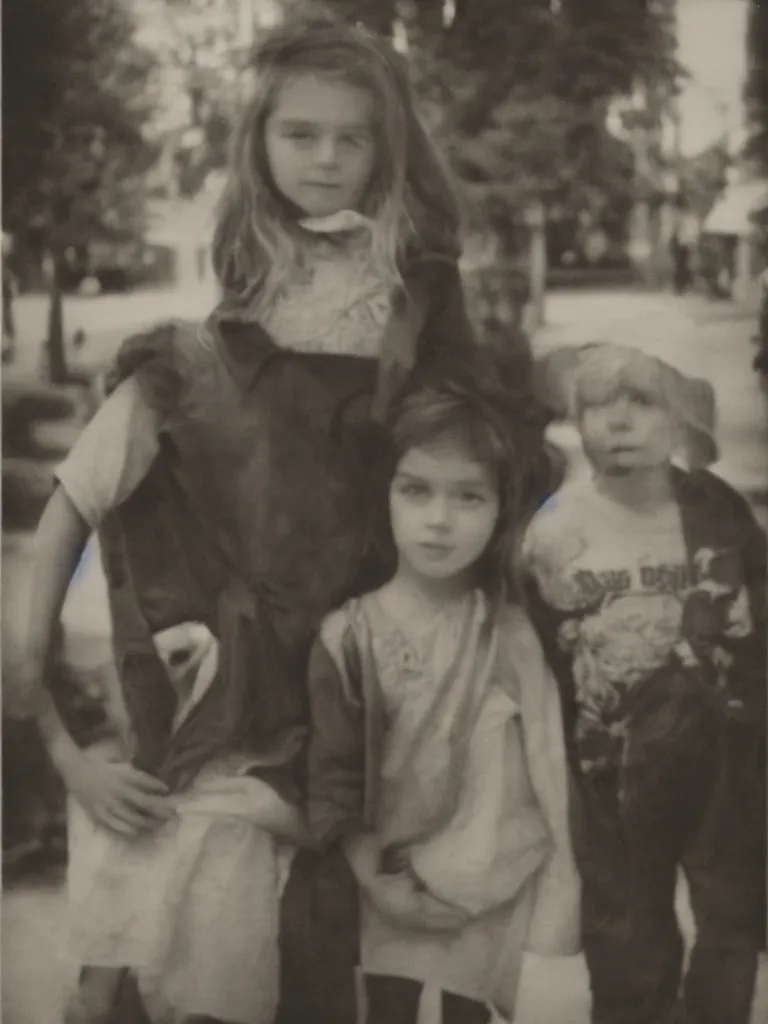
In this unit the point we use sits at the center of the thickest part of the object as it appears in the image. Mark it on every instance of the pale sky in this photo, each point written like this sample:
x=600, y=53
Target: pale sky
x=712, y=38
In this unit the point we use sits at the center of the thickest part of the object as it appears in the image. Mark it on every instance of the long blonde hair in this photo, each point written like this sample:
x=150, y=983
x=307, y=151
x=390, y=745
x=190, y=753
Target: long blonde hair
x=411, y=200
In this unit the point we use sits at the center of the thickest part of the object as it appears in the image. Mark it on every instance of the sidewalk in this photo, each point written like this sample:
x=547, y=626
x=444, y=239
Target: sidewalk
x=105, y=319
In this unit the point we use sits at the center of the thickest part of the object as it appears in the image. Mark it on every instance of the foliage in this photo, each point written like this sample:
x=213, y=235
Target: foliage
x=74, y=154
x=200, y=47
x=756, y=91
x=518, y=93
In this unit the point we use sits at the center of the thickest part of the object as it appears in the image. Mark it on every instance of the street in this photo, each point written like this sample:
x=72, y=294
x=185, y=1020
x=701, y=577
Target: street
x=36, y=968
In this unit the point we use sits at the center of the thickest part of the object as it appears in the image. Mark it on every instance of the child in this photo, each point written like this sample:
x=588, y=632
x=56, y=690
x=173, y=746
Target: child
x=436, y=754
x=231, y=475
x=650, y=597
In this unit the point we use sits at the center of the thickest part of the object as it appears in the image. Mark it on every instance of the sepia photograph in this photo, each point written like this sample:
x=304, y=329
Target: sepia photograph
x=384, y=512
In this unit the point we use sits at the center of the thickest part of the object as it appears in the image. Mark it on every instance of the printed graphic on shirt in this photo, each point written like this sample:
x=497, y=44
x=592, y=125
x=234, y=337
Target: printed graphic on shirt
x=628, y=614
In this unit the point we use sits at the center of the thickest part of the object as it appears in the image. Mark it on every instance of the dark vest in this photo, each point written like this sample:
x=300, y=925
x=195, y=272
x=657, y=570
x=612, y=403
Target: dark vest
x=265, y=509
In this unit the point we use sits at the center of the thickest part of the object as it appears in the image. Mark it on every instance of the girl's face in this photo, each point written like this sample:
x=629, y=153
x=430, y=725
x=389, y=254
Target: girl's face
x=320, y=144
x=444, y=505
x=627, y=431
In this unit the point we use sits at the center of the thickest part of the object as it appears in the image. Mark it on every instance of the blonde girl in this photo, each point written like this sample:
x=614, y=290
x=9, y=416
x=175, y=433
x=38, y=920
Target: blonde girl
x=232, y=478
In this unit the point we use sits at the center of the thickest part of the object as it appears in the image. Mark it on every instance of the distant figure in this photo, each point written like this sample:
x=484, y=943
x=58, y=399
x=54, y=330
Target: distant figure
x=681, y=258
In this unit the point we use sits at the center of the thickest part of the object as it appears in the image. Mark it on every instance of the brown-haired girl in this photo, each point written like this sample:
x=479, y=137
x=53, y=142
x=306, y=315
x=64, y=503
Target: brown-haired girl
x=436, y=754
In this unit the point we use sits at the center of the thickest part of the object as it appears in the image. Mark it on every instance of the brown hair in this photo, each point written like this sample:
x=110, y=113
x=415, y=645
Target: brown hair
x=502, y=425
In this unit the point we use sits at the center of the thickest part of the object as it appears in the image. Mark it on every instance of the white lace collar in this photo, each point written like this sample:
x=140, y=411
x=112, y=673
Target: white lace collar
x=336, y=223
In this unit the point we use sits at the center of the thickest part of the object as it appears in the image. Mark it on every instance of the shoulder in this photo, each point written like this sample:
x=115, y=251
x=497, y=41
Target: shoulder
x=434, y=273
x=562, y=511
x=515, y=628
x=342, y=630
x=334, y=628
x=339, y=648
x=160, y=359
x=521, y=651
x=706, y=490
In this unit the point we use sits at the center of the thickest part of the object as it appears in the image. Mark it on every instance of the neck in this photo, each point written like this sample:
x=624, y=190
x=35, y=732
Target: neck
x=642, y=490
x=434, y=592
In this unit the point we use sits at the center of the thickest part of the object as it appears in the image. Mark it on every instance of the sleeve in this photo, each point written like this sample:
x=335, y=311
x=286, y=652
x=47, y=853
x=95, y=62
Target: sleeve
x=336, y=750
x=448, y=327
x=546, y=622
x=750, y=671
x=112, y=455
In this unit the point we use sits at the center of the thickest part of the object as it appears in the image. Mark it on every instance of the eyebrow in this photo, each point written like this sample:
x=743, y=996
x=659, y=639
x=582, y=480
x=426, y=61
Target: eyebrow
x=464, y=482
x=297, y=122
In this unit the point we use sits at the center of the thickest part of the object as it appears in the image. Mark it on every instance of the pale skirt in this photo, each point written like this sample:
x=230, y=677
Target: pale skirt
x=192, y=908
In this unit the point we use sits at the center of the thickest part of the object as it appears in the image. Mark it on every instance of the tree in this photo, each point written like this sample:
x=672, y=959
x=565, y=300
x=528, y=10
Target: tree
x=756, y=90
x=201, y=47
x=519, y=93
x=75, y=155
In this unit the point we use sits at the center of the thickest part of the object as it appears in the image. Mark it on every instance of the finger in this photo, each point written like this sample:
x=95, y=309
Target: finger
x=157, y=808
x=117, y=826
x=147, y=783
x=130, y=818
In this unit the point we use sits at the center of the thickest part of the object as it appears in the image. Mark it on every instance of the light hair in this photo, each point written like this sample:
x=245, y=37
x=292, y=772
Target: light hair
x=604, y=370
x=410, y=200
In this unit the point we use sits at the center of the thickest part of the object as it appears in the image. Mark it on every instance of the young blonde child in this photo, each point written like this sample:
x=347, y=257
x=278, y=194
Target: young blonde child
x=436, y=756
x=649, y=592
x=232, y=478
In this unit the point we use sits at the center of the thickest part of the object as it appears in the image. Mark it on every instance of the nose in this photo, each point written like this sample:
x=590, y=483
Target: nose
x=620, y=414
x=327, y=152
x=439, y=512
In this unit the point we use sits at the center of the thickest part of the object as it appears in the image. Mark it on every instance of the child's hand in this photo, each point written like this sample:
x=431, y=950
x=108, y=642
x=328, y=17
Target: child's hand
x=122, y=799
x=398, y=898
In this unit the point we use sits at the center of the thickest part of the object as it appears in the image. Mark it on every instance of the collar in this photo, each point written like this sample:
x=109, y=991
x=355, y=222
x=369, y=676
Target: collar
x=336, y=223
x=245, y=346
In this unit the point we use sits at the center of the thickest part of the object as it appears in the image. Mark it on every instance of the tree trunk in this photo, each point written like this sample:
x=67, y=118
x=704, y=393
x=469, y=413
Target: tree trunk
x=537, y=266
x=57, y=359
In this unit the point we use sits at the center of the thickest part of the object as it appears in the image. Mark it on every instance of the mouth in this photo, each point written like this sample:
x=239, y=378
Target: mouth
x=330, y=186
x=435, y=549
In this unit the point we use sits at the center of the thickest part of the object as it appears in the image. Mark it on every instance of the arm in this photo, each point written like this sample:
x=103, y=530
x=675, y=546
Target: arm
x=448, y=328
x=61, y=537
x=336, y=784
x=547, y=621
x=102, y=468
x=750, y=672
x=336, y=749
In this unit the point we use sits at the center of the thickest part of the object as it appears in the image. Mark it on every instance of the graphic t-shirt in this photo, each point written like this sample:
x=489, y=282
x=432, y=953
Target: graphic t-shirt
x=621, y=585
